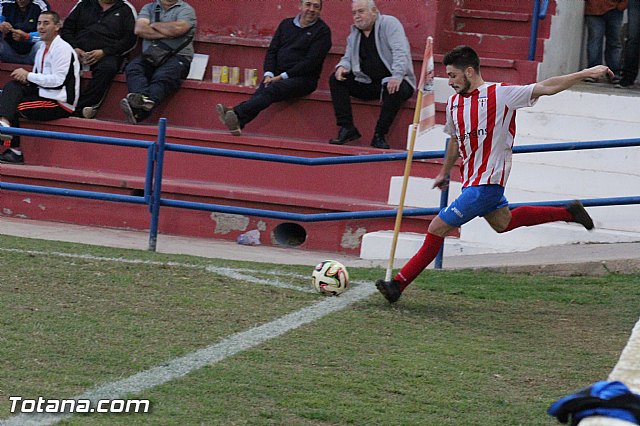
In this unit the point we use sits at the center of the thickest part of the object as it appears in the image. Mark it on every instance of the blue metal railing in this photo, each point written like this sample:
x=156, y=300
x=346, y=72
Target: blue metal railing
x=155, y=163
x=540, y=8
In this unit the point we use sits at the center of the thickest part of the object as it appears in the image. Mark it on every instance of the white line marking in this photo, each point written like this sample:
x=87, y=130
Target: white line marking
x=231, y=273
x=230, y=346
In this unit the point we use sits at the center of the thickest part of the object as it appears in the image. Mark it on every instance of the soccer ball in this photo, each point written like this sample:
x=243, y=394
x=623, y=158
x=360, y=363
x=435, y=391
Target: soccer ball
x=330, y=277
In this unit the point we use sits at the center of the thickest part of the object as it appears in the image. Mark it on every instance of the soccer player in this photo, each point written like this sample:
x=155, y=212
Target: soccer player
x=481, y=119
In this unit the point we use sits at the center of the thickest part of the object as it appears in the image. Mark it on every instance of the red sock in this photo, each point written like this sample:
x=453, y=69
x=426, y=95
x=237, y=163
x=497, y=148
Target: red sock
x=535, y=215
x=420, y=260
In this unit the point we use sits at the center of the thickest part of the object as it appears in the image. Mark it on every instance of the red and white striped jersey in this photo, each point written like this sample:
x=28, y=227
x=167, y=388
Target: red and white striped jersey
x=484, y=121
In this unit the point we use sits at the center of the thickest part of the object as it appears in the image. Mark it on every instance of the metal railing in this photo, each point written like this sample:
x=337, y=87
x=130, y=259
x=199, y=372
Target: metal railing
x=540, y=8
x=155, y=163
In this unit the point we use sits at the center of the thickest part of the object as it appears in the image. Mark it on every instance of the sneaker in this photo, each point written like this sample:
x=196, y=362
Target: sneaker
x=3, y=136
x=616, y=79
x=625, y=82
x=10, y=157
x=590, y=80
x=389, y=289
x=580, y=215
x=89, y=112
x=126, y=108
x=140, y=101
x=229, y=118
x=222, y=111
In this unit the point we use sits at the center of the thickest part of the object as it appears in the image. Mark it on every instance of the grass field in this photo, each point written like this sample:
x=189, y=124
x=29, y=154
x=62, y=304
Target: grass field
x=460, y=348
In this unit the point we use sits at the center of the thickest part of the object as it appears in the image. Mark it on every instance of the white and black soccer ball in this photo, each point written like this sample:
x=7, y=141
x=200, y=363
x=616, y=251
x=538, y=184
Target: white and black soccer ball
x=330, y=277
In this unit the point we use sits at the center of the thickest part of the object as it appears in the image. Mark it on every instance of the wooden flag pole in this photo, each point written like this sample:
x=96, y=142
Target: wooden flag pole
x=407, y=166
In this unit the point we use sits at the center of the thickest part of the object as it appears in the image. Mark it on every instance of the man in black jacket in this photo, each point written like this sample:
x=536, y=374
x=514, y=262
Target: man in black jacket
x=101, y=32
x=292, y=65
x=20, y=17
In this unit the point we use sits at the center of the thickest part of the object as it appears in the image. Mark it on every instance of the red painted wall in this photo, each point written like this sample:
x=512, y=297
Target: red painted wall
x=259, y=18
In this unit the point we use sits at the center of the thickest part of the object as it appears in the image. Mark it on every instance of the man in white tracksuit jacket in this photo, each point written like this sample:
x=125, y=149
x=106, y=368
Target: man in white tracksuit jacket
x=48, y=92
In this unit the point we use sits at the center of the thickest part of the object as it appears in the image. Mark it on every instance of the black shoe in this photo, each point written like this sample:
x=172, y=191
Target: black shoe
x=229, y=118
x=126, y=108
x=346, y=134
x=378, y=141
x=10, y=157
x=389, y=289
x=140, y=101
x=579, y=214
x=625, y=82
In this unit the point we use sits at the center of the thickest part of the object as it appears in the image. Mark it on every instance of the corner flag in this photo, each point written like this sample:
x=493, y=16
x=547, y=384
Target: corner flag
x=424, y=118
x=428, y=104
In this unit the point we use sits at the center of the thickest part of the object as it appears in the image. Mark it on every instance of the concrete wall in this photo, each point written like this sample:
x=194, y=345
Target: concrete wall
x=562, y=51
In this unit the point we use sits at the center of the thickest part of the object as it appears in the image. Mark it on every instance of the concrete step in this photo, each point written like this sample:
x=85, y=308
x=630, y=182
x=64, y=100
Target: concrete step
x=371, y=180
x=477, y=237
x=618, y=160
x=492, y=45
x=524, y=6
x=421, y=195
x=496, y=22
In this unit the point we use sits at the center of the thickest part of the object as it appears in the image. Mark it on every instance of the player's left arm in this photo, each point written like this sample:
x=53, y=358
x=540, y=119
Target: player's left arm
x=554, y=85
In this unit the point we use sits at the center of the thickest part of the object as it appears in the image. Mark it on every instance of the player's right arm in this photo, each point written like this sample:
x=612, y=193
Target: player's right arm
x=453, y=153
x=554, y=85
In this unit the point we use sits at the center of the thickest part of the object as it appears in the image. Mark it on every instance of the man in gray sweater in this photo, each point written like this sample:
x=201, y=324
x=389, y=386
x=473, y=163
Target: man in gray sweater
x=376, y=64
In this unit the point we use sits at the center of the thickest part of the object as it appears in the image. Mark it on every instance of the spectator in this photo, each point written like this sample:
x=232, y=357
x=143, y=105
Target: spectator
x=172, y=22
x=604, y=20
x=292, y=65
x=48, y=93
x=101, y=32
x=632, y=46
x=481, y=117
x=376, y=64
x=20, y=19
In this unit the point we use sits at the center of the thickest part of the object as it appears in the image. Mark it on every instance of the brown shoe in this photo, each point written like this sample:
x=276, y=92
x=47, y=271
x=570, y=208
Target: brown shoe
x=229, y=118
x=579, y=214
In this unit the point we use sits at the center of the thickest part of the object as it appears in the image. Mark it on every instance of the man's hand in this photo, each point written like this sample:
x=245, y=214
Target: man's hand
x=91, y=58
x=393, y=85
x=341, y=73
x=81, y=53
x=597, y=71
x=268, y=80
x=5, y=27
x=20, y=75
x=19, y=35
x=441, y=182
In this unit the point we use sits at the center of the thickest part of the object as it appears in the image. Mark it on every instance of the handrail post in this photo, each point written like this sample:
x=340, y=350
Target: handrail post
x=533, y=38
x=444, y=202
x=157, y=183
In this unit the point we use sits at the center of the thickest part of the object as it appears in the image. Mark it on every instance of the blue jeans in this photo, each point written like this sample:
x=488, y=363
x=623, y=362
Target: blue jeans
x=632, y=47
x=7, y=54
x=607, y=27
x=156, y=83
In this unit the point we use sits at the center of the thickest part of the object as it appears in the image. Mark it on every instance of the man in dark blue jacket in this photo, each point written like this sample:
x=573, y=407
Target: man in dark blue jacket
x=20, y=17
x=101, y=32
x=292, y=65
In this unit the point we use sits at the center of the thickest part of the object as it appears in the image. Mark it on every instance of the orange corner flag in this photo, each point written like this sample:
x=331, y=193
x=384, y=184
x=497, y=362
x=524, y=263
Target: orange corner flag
x=428, y=104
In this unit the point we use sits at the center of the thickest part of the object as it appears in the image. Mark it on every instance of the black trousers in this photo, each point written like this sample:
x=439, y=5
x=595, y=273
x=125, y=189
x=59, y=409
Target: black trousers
x=103, y=72
x=342, y=91
x=264, y=96
x=22, y=100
